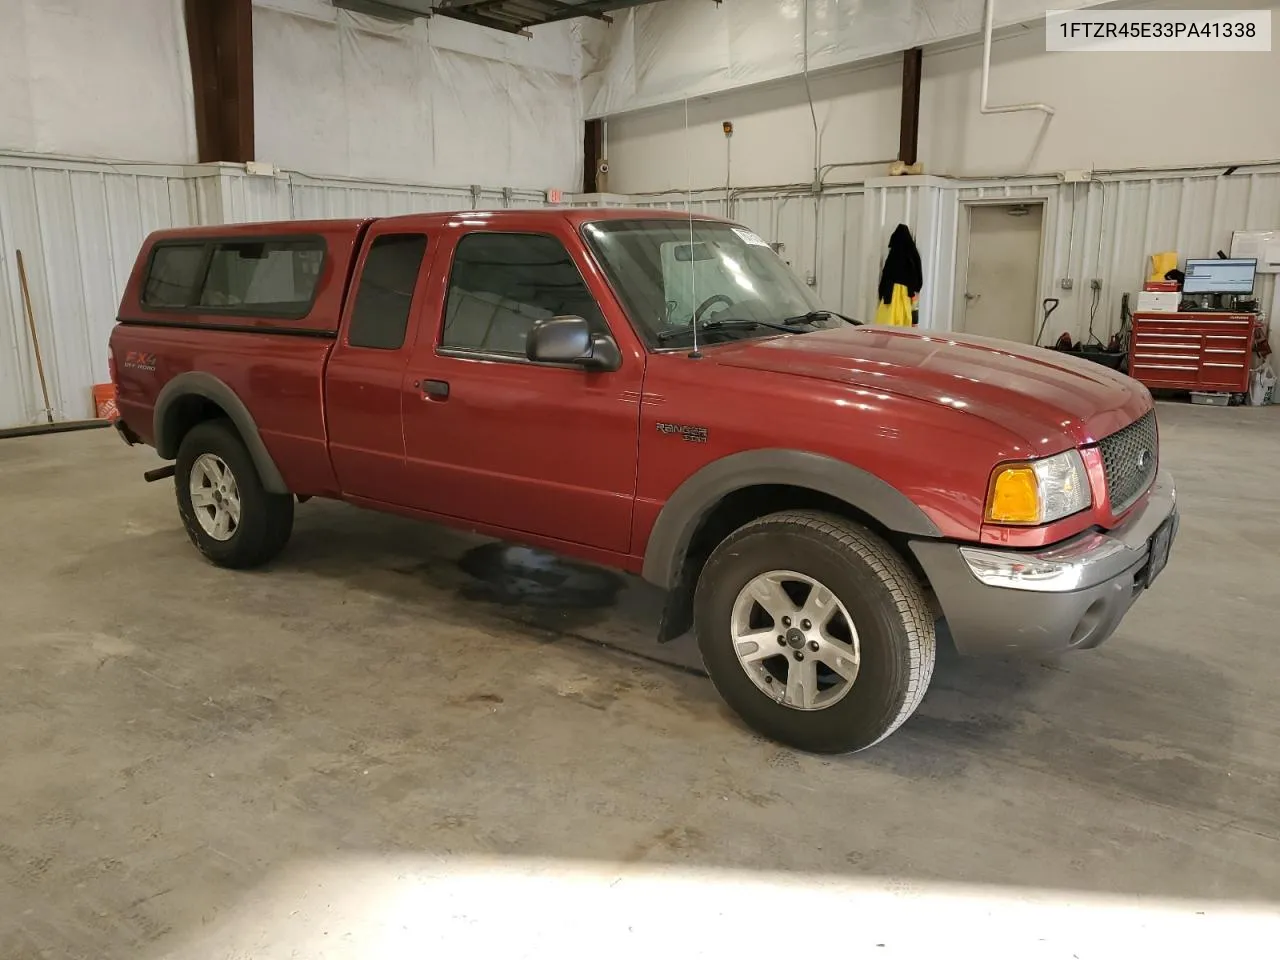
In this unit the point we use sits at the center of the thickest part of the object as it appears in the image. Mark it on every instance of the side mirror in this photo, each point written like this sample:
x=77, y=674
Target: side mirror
x=570, y=340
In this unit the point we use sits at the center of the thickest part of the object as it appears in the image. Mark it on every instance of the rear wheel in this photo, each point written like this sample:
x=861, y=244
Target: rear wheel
x=815, y=631
x=228, y=514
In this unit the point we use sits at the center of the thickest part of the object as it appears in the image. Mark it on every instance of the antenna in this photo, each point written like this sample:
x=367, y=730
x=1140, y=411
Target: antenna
x=688, y=206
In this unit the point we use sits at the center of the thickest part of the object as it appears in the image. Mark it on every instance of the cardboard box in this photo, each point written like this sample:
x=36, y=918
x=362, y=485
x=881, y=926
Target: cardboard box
x=1149, y=302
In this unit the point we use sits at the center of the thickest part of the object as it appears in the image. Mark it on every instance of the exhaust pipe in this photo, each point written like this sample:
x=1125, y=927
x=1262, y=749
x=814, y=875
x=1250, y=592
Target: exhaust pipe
x=160, y=473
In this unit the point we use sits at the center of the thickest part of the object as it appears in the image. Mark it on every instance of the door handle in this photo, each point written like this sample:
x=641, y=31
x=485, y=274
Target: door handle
x=435, y=389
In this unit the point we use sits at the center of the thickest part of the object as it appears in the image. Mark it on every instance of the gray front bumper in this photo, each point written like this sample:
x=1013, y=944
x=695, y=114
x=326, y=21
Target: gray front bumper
x=1098, y=577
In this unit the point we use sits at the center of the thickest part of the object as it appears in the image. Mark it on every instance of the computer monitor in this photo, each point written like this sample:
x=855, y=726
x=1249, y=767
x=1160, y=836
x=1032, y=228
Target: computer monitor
x=1220, y=276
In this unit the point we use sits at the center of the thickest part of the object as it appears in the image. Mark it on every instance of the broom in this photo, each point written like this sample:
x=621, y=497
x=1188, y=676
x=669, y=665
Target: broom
x=35, y=339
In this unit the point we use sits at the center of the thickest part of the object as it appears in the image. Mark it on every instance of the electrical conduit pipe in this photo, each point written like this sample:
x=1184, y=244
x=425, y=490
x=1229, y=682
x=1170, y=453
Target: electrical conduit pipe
x=989, y=18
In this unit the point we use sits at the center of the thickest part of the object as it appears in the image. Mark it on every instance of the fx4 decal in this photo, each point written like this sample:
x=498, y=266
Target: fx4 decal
x=137, y=360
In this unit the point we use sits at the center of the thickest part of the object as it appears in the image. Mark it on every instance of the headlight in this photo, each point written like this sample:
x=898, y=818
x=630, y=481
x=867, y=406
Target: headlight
x=1039, y=491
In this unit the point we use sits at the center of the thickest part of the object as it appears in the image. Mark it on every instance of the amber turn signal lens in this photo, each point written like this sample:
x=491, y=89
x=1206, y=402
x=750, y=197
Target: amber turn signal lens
x=1015, y=496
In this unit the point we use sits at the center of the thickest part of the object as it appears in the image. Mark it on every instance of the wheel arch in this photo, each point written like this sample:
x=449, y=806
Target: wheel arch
x=194, y=397
x=737, y=489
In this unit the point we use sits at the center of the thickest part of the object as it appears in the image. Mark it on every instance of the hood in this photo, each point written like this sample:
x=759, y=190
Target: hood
x=1049, y=400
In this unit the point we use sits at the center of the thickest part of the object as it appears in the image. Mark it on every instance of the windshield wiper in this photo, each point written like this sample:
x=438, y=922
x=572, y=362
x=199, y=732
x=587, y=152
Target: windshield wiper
x=665, y=335
x=813, y=316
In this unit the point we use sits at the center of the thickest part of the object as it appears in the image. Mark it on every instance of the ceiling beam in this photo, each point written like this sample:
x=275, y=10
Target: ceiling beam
x=562, y=11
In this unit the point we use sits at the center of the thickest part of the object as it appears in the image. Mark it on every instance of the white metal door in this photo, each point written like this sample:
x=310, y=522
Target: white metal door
x=1003, y=269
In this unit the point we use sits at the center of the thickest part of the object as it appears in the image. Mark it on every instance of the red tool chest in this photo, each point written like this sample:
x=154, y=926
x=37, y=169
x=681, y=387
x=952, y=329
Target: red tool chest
x=1192, y=351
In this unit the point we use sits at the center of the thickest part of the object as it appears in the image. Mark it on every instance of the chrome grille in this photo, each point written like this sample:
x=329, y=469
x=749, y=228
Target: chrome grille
x=1129, y=457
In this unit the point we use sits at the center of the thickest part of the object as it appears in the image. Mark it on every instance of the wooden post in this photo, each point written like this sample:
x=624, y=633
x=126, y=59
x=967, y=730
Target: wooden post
x=909, y=140
x=592, y=147
x=220, y=45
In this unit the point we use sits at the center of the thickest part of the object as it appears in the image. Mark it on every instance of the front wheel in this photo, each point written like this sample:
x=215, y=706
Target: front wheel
x=228, y=514
x=814, y=631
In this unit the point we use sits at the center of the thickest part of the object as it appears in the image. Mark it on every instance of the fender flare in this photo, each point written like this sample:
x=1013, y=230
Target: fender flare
x=698, y=495
x=197, y=383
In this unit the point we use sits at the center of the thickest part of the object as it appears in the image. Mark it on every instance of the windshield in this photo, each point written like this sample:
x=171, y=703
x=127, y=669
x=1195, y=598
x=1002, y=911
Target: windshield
x=669, y=273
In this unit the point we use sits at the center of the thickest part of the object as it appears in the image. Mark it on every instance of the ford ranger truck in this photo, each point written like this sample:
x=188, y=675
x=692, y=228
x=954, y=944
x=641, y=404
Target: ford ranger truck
x=658, y=394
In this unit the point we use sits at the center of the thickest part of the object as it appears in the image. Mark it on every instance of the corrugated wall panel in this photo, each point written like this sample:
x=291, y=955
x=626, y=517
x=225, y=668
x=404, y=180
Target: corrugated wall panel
x=79, y=226
x=319, y=198
x=1119, y=223
x=706, y=206
x=80, y=223
x=253, y=199
x=1104, y=229
x=233, y=196
x=18, y=404
x=922, y=204
x=840, y=252
x=510, y=200
x=788, y=219
x=58, y=286
x=528, y=201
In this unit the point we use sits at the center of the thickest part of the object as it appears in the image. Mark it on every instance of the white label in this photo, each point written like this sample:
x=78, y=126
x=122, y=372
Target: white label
x=749, y=237
x=1157, y=31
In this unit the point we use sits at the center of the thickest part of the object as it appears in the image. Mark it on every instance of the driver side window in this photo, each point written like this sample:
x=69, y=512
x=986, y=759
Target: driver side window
x=502, y=284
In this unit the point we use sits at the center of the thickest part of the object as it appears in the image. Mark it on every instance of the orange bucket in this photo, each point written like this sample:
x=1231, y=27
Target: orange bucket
x=104, y=401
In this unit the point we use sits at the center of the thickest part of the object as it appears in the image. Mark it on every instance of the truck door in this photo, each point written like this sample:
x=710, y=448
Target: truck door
x=364, y=381
x=499, y=440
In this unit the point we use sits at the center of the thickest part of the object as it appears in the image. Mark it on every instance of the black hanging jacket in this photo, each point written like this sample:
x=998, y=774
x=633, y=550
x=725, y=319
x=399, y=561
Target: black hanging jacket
x=901, y=266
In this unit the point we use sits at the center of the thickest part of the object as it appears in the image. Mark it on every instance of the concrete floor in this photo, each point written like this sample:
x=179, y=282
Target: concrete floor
x=195, y=762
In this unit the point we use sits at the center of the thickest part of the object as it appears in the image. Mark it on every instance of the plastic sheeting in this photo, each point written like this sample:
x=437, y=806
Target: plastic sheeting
x=96, y=78
x=345, y=94
x=336, y=93
x=667, y=51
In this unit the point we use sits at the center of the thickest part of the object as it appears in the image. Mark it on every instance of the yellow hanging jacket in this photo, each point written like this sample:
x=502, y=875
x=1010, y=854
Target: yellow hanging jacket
x=897, y=312
x=900, y=280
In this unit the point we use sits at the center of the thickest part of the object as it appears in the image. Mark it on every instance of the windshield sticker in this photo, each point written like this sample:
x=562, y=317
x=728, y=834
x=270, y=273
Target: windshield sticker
x=749, y=237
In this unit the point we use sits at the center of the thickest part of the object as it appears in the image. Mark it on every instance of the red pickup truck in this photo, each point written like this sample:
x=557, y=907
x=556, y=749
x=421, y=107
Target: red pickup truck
x=658, y=394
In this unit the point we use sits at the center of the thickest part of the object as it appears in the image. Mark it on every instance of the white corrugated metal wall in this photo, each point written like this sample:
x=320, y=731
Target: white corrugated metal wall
x=1119, y=221
x=286, y=195
x=1104, y=229
x=313, y=198
x=79, y=225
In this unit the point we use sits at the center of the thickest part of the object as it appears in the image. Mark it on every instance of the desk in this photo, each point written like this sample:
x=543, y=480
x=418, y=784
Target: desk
x=1192, y=351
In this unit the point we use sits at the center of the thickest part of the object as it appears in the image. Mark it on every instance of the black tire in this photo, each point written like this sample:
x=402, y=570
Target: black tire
x=266, y=519
x=883, y=598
